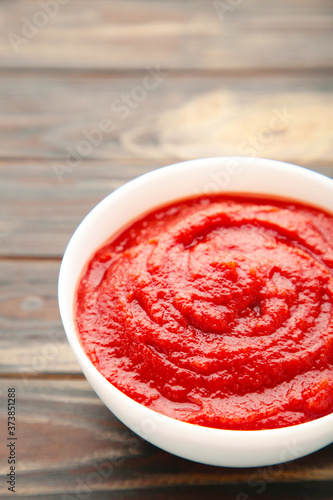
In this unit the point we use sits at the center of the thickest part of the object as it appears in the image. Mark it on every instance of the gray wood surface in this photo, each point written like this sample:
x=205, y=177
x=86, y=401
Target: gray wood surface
x=141, y=84
x=131, y=34
x=69, y=441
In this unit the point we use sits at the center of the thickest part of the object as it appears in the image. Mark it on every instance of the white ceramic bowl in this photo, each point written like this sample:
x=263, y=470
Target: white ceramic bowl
x=229, y=174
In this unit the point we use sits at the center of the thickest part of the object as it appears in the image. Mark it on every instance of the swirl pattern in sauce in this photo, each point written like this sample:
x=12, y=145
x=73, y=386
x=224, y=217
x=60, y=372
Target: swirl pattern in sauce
x=216, y=311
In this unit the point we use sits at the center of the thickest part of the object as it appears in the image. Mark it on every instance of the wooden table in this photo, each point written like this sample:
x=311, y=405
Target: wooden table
x=93, y=94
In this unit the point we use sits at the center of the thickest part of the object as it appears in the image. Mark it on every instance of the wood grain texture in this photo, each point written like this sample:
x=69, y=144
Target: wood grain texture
x=32, y=340
x=60, y=117
x=70, y=443
x=174, y=34
x=301, y=491
x=39, y=213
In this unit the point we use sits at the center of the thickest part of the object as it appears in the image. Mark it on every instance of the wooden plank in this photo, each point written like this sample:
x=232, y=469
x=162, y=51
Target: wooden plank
x=38, y=213
x=86, y=117
x=69, y=443
x=32, y=340
x=177, y=34
x=301, y=491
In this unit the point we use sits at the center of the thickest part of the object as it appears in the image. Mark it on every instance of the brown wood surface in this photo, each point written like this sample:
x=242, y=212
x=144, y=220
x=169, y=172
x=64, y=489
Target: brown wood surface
x=257, y=80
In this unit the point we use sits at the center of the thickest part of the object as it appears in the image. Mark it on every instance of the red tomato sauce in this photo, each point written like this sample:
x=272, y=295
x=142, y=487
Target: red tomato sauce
x=216, y=311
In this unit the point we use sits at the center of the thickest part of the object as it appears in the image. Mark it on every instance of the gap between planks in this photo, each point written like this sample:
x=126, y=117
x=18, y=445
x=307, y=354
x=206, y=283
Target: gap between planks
x=171, y=72
x=29, y=258
x=42, y=376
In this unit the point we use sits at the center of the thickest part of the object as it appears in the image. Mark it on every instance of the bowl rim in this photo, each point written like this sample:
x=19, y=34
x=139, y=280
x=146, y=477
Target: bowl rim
x=248, y=438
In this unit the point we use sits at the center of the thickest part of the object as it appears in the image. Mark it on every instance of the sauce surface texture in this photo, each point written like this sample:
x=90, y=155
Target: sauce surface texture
x=216, y=311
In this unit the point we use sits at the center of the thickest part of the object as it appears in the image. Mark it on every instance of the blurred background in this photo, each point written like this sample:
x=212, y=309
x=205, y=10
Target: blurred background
x=92, y=94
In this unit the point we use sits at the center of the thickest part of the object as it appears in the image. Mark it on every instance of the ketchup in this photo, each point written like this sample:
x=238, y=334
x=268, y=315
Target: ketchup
x=216, y=311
